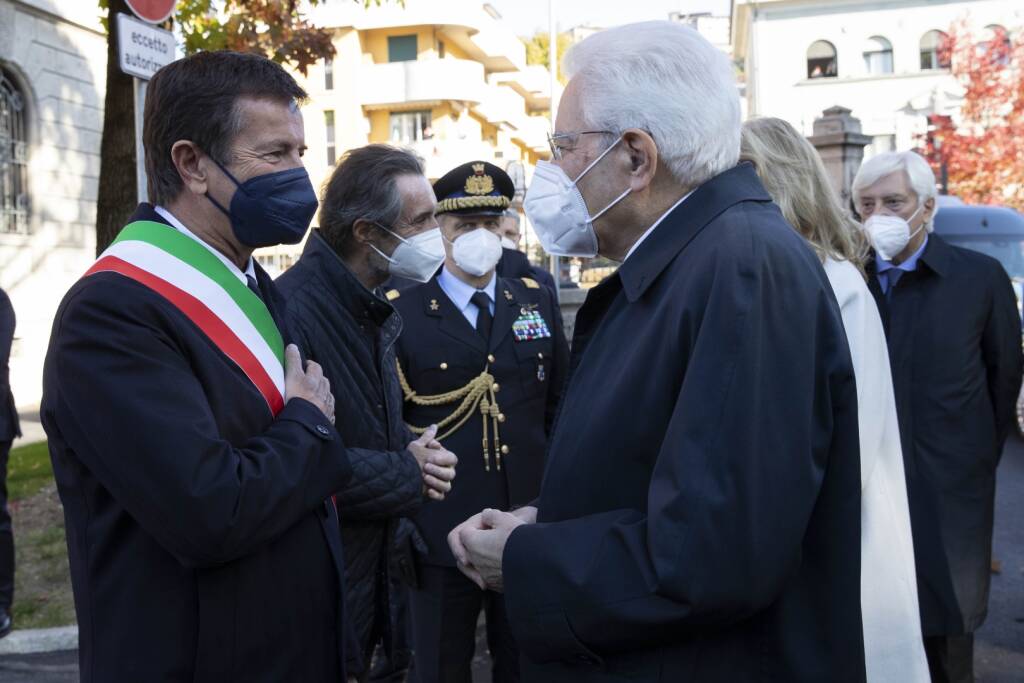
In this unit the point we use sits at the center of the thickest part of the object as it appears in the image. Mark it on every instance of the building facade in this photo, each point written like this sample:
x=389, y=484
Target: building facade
x=448, y=81
x=881, y=59
x=52, y=79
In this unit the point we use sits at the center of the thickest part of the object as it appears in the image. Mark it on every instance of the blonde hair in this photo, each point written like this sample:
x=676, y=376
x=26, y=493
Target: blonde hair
x=794, y=176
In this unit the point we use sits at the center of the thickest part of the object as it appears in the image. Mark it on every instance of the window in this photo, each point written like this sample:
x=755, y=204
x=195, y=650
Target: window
x=878, y=56
x=994, y=35
x=13, y=158
x=821, y=60
x=329, y=73
x=411, y=126
x=402, y=48
x=934, y=51
x=329, y=126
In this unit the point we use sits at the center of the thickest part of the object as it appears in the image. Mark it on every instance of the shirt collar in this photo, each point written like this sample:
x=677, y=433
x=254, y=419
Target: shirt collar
x=250, y=270
x=656, y=224
x=907, y=266
x=460, y=292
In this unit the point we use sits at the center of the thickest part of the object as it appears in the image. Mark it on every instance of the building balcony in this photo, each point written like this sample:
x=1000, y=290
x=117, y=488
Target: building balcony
x=435, y=80
x=441, y=156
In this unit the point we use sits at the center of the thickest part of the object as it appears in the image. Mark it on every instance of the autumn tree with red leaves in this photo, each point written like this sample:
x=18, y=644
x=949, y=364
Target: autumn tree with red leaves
x=275, y=28
x=980, y=151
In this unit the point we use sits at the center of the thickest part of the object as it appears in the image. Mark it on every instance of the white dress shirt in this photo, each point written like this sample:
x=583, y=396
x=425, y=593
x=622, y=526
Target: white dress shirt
x=893, y=649
x=649, y=230
x=459, y=292
x=250, y=270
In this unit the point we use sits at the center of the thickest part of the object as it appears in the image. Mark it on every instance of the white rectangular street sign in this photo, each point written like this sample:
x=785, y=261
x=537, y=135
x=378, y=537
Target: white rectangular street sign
x=142, y=48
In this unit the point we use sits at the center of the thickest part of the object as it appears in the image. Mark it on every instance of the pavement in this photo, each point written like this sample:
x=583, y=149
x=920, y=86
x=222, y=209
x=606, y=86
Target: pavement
x=999, y=648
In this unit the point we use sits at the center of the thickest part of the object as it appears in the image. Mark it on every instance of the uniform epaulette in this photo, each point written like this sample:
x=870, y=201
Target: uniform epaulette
x=530, y=283
x=393, y=294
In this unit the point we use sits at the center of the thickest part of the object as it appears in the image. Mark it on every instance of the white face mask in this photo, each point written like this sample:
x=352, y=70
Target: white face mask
x=477, y=252
x=416, y=258
x=558, y=212
x=890, y=235
x=506, y=243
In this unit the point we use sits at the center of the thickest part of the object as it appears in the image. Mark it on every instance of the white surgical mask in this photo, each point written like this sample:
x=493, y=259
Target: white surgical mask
x=890, y=235
x=477, y=252
x=559, y=213
x=416, y=258
x=506, y=243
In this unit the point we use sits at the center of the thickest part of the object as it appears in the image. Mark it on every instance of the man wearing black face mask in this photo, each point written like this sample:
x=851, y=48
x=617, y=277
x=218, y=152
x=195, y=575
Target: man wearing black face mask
x=194, y=452
x=341, y=316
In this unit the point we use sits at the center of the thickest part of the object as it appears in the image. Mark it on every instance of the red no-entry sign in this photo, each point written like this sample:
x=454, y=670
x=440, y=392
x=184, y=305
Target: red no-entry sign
x=153, y=11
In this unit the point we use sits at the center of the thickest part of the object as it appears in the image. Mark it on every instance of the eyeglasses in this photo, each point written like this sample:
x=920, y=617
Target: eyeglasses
x=568, y=141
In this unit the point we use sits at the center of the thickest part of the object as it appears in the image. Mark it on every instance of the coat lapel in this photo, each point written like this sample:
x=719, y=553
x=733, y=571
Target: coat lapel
x=451, y=322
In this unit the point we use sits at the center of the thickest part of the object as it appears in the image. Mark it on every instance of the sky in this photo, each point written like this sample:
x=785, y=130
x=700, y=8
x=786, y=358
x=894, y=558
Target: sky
x=526, y=17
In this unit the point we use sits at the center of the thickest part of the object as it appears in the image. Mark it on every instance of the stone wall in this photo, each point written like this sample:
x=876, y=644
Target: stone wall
x=56, y=56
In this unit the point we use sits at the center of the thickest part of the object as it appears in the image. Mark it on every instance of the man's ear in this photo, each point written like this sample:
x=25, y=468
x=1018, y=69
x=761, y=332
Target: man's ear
x=192, y=166
x=929, y=209
x=643, y=158
x=364, y=231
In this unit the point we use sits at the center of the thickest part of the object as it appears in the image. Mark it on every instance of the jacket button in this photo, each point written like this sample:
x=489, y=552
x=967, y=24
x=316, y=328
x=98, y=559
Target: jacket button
x=490, y=358
x=444, y=366
x=495, y=387
x=324, y=431
x=504, y=450
x=501, y=417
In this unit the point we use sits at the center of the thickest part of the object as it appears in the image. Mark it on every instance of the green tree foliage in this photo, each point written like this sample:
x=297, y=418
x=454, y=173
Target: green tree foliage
x=537, y=50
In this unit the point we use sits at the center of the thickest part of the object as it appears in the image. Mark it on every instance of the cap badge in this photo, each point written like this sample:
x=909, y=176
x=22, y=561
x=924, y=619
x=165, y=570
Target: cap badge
x=479, y=183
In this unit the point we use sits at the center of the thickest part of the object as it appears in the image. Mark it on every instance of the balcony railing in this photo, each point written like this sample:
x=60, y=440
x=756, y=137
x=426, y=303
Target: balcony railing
x=421, y=81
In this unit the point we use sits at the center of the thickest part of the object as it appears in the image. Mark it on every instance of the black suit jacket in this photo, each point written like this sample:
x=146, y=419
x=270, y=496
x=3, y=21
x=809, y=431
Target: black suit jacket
x=439, y=352
x=954, y=339
x=9, y=426
x=699, y=518
x=200, y=542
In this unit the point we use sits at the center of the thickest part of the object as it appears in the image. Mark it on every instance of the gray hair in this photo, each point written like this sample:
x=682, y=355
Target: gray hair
x=919, y=174
x=363, y=187
x=514, y=215
x=666, y=79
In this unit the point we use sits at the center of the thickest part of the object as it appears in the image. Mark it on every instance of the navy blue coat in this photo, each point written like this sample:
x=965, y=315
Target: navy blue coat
x=955, y=344
x=699, y=518
x=200, y=542
x=439, y=352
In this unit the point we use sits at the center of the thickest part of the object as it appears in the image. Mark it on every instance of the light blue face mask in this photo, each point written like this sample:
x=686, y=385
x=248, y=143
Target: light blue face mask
x=559, y=213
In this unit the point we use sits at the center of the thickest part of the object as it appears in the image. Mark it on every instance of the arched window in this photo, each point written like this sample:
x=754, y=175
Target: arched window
x=878, y=56
x=13, y=158
x=993, y=34
x=821, y=60
x=934, y=51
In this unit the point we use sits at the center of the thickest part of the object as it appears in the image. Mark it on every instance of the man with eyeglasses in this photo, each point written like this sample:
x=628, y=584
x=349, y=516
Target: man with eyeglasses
x=483, y=357
x=376, y=218
x=699, y=518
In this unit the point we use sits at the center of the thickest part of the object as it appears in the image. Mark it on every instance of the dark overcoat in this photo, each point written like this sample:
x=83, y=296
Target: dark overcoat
x=201, y=545
x=954, y=339
x=440, y=352
x=351, y=332
x=699, y=518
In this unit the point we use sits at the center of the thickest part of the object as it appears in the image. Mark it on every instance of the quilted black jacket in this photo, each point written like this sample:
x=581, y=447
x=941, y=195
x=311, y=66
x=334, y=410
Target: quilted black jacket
x=351, y=331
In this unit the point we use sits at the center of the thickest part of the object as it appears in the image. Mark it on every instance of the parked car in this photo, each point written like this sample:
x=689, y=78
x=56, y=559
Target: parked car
x=994, y=230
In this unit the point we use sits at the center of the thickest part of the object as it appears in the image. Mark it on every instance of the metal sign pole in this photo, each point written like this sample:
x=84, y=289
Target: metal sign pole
x=139, y=87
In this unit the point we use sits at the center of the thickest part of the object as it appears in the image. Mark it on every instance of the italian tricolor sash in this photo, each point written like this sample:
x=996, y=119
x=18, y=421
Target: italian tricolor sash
x=202, y=287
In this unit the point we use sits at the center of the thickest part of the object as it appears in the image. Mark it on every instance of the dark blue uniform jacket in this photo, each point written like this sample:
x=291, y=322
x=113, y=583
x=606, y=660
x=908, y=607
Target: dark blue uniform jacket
x=201, y=545
x=699, y=518
x=440, y=352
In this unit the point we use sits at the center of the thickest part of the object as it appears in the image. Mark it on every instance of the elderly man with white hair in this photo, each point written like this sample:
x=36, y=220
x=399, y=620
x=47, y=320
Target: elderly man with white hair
x=954, y=338
x=699, y=518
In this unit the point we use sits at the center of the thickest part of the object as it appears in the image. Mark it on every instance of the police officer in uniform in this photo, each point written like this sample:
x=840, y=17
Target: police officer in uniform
x=484, y=358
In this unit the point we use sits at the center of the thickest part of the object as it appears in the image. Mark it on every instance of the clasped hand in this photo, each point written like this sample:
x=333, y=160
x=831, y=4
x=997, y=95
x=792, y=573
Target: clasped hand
x=436, y=464
x=479, y=544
